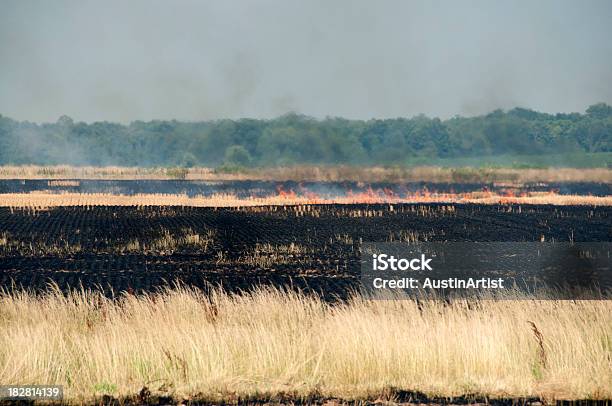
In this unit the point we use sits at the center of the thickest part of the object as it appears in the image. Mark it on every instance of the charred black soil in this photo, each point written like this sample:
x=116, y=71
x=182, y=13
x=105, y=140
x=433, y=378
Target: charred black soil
x=313, y=247
x=256, y=188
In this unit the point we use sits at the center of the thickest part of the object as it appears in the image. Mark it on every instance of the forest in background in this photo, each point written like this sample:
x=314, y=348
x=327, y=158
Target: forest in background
x=509, y=138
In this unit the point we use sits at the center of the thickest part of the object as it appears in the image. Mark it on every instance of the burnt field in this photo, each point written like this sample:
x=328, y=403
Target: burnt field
x=311, y=247
x=324, y=190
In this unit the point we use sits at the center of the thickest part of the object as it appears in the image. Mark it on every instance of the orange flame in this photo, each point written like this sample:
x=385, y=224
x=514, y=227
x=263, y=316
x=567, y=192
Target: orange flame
x=387, y=195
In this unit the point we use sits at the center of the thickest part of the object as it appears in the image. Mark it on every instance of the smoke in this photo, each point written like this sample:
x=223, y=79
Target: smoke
x=188, y=60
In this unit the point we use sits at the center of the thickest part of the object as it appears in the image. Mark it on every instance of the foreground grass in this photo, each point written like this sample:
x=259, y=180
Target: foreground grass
x=184, y=344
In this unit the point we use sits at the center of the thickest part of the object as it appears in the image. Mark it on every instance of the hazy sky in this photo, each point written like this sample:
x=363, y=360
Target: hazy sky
x=197, y=60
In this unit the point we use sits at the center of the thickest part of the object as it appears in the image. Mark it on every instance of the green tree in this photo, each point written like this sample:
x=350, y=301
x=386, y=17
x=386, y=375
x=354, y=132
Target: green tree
x=599, y=111
x=237, y=155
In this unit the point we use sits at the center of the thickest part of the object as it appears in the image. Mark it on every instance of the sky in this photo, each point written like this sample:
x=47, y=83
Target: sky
x=202, y=60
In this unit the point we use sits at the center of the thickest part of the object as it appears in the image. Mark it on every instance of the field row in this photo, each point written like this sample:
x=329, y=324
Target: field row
x=316, y=174
x=310, y=246
x=46, y=199
x=313, y=190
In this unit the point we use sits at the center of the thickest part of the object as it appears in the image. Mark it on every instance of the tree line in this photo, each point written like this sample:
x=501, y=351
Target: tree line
x=298, y=139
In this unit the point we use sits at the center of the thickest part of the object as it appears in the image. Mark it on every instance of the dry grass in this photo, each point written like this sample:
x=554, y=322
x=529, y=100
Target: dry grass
x=184, y=344
x=92, y=172
x=431, y=174
x=169, y=242
x=317, y=174
x=166, y=243
x=30, y=247
x=268, y=255
x=41, y=201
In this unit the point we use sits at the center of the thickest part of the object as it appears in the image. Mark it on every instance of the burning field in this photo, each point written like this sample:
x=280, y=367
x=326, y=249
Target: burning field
x=249, y=291
x=51, y=193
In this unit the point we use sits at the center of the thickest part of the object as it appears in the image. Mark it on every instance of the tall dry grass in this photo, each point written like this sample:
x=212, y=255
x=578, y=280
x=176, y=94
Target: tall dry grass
x=185, y=344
